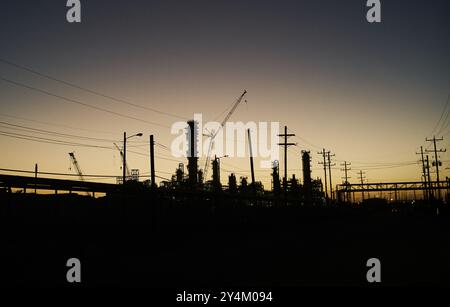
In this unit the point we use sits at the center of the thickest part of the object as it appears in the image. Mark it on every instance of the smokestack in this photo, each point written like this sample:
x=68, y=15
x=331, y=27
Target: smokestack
x=307, y=186
x=192, y=138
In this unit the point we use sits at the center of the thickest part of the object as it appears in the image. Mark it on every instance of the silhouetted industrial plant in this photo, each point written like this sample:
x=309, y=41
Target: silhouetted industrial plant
x=189, y=203
x=133, y=154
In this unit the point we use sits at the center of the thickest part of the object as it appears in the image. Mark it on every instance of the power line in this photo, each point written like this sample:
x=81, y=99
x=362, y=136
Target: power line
x=55, y=174
x=89, y=90
x=386, y=166
x=79, y=102
x=65, y=143
x=162, y=157
x=380, y=163
x=301, y=139
x=43, y=131
x=162, y=146
x=441, y=117
x=235, y=167
x=234, y=172
x=436, y=158
x=389, y=167
x=53, y=124
x=48, y=140
x=69, y=174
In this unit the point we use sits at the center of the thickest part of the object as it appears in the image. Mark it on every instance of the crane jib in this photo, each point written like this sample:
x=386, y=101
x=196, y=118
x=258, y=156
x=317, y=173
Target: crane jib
x=230, y=113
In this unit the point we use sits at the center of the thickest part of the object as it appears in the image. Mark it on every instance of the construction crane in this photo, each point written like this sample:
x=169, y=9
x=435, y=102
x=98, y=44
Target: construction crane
x=77, y=167
x=121, y=156
x=214, y=133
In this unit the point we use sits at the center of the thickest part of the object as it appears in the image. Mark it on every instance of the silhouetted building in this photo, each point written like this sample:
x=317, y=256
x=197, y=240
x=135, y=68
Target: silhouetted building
x=216, y=175
x=276, y=185
x=318, y=195
x=294, y=186
x=180, y=173
x=232, y=183
x=200, y=176
x=244, y=185
x=259, y=188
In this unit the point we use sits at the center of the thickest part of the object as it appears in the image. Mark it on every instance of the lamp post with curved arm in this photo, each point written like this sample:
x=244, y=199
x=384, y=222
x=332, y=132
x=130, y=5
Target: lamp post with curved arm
x=125, y=138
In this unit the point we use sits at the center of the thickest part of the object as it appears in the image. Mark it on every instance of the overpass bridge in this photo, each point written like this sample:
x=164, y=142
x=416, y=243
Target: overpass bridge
x=9, y=182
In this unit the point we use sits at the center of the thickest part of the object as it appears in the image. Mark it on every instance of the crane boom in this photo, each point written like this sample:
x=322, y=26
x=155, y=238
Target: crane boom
x=77, y=168
x=213, y=135
x=238, y=101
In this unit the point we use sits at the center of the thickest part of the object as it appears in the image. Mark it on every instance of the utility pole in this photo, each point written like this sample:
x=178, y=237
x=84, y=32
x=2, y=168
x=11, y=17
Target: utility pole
x=124, y=167
x=324, y=155
x=436, y=161
x=152, y=163
x=329, y=171
x=361, y=178
x=251, y=160
x=35, y=177
x=346, y=183
x=424, y=174
x=430, y=192
x=125, y=153
x=285, y=144
x=447, y=180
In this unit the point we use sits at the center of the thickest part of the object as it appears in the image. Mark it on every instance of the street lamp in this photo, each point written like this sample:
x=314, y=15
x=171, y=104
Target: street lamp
x=218, y=158
x=226, y=156
x=125, y=138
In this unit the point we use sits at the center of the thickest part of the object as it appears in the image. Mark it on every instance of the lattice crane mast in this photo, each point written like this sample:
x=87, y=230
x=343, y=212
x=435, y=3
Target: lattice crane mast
x=214, y=134
x=77, y=168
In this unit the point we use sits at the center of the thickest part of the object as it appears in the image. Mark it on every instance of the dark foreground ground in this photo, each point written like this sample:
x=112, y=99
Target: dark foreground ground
x=156, y=242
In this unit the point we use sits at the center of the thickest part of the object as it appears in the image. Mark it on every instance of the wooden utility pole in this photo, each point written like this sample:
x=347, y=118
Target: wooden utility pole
x=124, y=167
x=361, y=177
x=285, y=144
x=152, y=162
x=430, y=191
x=436, y=161
x=329, y=172
x=35, y=177
x=424, y=172
x=324, y=155
x=346, y=183
x=251, y=159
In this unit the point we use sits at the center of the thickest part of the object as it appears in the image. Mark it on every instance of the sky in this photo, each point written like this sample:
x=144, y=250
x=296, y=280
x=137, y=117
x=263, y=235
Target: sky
x=369, y=93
